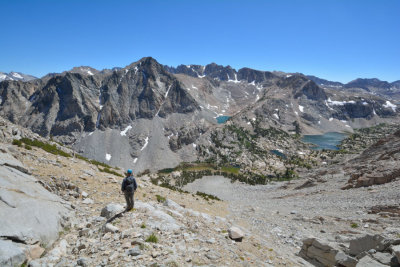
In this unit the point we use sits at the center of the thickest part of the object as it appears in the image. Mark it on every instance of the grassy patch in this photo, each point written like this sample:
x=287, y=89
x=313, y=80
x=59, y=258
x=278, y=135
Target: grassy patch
x=354, y=225
x=143, y=226
x=160, y=199
x=172, y=264
x=173, y=188
x=230, y=169
x=115, y=222
x=207, y=196
x=107, y=170
x=94, y=162
x=152, y=238
x=16, y=142
x=46, y=147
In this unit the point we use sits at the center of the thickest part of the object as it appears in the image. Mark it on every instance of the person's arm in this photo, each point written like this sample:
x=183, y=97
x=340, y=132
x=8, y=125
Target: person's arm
x=134, y=184
x=123, y=185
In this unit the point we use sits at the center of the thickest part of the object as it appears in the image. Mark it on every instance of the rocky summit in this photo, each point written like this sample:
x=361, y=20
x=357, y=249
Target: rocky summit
x=226, y=176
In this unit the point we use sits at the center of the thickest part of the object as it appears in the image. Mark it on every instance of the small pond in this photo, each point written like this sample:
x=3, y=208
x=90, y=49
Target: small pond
x=278, y=153
x=325, y=141
x=222, y=119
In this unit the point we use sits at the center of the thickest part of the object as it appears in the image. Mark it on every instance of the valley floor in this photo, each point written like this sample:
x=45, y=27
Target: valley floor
x=283, y=216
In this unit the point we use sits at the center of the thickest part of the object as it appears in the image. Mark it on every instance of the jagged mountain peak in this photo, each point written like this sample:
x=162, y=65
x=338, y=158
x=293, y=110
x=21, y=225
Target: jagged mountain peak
x=145, y=61
x=222, y=73
x=300, y=85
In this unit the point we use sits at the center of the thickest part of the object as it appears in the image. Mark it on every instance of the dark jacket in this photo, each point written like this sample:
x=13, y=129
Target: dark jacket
x=129, y=184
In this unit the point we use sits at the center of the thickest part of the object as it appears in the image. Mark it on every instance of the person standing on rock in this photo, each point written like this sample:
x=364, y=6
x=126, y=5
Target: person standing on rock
x=129, y=187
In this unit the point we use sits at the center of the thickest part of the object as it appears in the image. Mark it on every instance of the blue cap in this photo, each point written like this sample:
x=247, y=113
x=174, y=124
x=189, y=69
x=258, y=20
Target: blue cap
x=129, y=171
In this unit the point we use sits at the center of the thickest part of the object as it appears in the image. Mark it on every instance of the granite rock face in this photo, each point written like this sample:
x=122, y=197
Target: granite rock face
x=11, y=254
x=321, y=253
x=28, y=212
x=142, y=90
x=366, y=250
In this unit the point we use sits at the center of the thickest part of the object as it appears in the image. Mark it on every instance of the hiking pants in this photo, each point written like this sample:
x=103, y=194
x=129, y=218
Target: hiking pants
x=129, y=200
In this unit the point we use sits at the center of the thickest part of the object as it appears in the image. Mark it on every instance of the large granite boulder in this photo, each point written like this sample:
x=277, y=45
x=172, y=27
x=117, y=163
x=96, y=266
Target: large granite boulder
x=235, y=233
x=368, y=261
x=111, y=210
x=11, y=254
x=321, y=253
x=28, y=212
x=367, y=242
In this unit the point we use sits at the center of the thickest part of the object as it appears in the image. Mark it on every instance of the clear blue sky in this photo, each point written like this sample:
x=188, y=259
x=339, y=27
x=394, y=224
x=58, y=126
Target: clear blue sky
x=334, y=39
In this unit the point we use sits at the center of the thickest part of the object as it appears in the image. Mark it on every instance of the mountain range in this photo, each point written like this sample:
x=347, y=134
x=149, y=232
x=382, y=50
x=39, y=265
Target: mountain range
x=153, y=116
x=16, y=76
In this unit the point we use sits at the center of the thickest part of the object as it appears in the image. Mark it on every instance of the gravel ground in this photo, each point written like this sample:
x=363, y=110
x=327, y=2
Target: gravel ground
x=283, y=215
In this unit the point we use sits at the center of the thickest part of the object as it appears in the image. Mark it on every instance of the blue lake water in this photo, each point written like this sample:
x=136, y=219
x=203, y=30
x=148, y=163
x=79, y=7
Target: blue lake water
x=278, y=153
x=325, y=141
x=222, y=119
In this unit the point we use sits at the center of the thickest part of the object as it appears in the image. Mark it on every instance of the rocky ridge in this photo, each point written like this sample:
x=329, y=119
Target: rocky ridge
x=144, y=114
x=373, y=86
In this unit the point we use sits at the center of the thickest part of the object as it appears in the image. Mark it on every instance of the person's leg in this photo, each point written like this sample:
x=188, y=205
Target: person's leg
x=133, y=199
x=127, y=199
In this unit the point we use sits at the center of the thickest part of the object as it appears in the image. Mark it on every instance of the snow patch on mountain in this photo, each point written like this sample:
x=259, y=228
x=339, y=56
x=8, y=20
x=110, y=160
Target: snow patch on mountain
x=340, y=103
x=388, y=104
x=16, y=75
x=123, y=133
x=146, y=142
x=235, y=80
x=108, y=157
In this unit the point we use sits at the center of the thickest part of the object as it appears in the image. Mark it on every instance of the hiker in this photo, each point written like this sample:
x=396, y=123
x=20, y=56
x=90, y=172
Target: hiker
x=129, y=186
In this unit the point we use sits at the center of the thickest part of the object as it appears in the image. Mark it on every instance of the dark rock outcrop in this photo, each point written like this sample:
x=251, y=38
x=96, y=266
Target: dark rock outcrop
x=301, y=86
x=257, y=76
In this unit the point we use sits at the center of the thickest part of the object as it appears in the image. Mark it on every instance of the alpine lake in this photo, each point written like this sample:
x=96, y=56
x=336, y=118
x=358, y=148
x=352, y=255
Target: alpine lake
x=329, y=140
